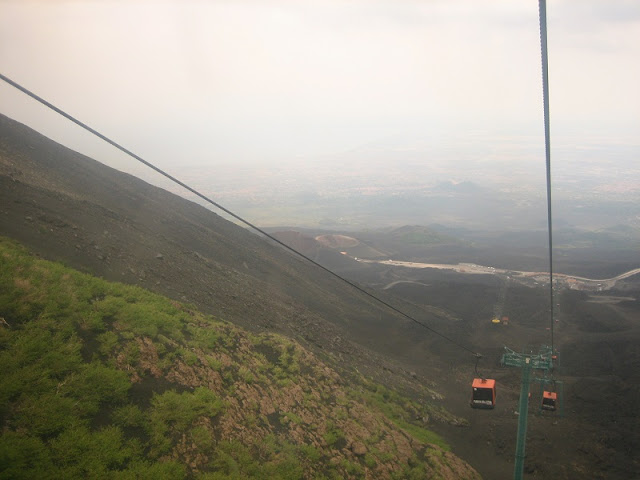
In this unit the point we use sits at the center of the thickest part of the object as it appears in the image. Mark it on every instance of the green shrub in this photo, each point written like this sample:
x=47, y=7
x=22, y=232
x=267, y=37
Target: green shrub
x=175, y=412
x=145, y=470
x=311, y=453
x=81, y=453
x=97, y=383
x=202, y=438
x=47, y=414
x=128, y=416
x=246, y=375
x=293, y=418
x=108, y=342
x=333, y=434
x=214, y=363
x=23, y=457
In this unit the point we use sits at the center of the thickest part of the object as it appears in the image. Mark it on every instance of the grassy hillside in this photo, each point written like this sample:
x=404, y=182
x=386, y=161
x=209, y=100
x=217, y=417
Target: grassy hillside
x=103, y=380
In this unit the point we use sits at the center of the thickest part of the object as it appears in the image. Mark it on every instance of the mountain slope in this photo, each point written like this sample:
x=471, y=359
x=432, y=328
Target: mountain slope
x=102, y=380
x=67, y=207
x=71, y=208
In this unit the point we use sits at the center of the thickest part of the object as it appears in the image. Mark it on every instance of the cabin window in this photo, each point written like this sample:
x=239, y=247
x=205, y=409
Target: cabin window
x=483, y=394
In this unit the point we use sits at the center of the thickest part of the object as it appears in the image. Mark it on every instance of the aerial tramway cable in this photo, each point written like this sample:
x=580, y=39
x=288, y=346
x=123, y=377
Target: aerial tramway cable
x=547, y=145
x=543, y=361
x=513, y=359
x=229, y=212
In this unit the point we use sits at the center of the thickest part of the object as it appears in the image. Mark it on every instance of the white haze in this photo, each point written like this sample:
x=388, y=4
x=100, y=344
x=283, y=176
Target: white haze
x=270, y=82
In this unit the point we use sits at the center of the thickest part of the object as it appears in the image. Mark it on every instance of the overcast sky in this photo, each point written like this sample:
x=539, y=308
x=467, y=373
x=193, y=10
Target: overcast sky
x=273, y=80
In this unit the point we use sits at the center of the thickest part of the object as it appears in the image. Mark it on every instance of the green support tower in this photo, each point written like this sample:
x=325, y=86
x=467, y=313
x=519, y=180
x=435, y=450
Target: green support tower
x=540, y=361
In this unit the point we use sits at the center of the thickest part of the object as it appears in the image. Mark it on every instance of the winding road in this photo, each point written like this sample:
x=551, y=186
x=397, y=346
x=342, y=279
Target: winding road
x=539, y=277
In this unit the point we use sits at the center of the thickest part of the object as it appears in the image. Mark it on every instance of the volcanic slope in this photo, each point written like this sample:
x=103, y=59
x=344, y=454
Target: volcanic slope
x=67, y=207
x=103, y=380
x=64, y=206
x=70, y=208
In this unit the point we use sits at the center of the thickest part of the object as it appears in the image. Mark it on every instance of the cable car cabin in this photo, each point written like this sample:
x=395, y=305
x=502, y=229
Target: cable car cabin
x=483, y=393
x=549, y=400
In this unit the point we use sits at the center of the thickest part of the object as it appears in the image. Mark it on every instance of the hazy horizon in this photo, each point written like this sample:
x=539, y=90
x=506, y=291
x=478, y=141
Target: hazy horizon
x=449, y=90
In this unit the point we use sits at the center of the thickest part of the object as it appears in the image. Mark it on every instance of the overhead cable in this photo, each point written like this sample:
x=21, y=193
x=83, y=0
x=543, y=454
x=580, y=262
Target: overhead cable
x=547, y=147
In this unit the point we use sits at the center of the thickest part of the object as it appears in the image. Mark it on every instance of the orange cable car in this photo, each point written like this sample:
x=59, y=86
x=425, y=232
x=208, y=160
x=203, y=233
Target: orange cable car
x=483, y=393
x=549, y=400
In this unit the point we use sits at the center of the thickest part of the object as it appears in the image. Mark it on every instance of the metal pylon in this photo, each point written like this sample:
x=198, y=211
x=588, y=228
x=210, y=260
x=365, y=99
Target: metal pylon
x=541, y=361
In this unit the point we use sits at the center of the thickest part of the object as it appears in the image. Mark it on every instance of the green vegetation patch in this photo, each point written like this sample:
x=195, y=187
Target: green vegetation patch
x=400, y=410
x=102, y=380
x=65, y=416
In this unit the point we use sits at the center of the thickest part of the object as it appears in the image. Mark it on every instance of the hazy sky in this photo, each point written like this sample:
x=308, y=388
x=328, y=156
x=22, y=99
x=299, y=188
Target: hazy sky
x=268, y=80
